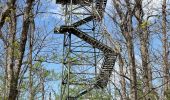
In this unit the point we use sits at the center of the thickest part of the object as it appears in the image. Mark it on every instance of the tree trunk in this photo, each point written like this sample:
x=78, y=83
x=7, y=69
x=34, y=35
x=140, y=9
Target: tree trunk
x=31, y=33
x=15, y=61
x=165, y=52
x=6, y=76
x=12, y=87
x=127, y=32
x=145, y=63
x=126, y=29
x=144, y=48
x=123, y=83
x=131, y=58
x=42, y=84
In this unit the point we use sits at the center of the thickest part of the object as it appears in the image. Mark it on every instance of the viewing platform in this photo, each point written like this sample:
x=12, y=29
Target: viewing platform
x=74, y=2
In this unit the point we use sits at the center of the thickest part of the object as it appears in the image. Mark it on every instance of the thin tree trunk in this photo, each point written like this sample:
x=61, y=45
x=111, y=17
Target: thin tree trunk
x=14, y=65
x=165, y=50
x=42, y=84
x=127, y=32
x=131, y=58
x=145, y=63
x=8, y=11
x=30, y=58
x=144, y=48
x=6, y=76
x=123, y=83
x=12, y=88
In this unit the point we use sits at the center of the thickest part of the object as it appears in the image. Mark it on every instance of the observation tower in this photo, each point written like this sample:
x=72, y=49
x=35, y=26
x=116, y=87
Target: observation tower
x=89, y=53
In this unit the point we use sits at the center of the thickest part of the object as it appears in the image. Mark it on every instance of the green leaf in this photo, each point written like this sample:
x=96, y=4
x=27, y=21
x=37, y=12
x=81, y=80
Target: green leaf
x=144, y=24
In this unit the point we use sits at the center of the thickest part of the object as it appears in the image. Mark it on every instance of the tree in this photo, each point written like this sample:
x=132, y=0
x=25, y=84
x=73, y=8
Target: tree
x=31, y=35
x=144, y=46
x=122, y=72
x=166, y=77
x=126, y=30
x=15, y=49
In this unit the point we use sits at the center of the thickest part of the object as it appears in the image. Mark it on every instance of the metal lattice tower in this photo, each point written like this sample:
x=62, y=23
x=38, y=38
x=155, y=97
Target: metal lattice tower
x=88, y=50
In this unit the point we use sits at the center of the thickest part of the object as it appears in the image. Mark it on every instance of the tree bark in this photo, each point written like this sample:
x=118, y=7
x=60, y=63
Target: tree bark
x=8, y=12
x=42, y=83
x=31, y=33
x=12, y=88
x=131, y=58
x=144, y=47
x=15, y=62
x=123, y=82
x=165, y=51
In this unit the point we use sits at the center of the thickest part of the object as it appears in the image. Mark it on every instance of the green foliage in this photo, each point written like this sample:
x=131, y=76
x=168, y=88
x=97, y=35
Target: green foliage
x=37, y=64
x=144, y=24
x=24, y=86
x=7, y=19
x=139, y=85
x=51, y=75
x=41, y=59
x=46, y=73
x=167, y=94
x=73, y=60
x=153, y=96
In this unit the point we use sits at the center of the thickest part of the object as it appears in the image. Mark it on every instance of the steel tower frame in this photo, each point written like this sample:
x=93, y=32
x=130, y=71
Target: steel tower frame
x=88, y=50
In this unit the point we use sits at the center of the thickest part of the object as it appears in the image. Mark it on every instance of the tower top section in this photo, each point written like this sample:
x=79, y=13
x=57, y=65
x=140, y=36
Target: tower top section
x=74, y=2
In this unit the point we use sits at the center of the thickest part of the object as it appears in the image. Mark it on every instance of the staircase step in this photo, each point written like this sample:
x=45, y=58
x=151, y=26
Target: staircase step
x=83, y=21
